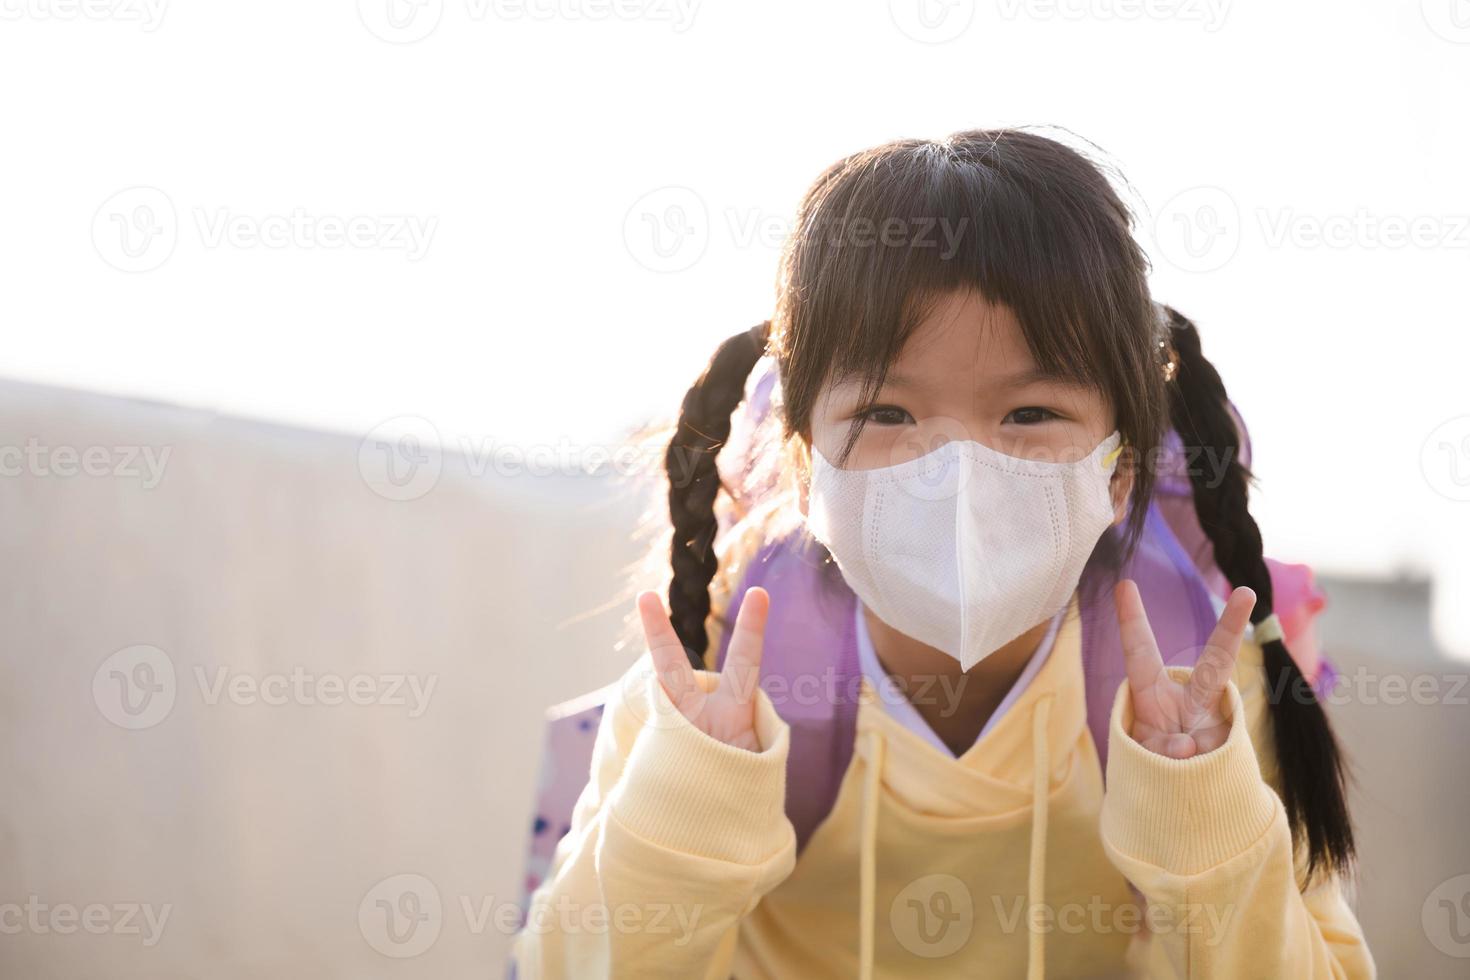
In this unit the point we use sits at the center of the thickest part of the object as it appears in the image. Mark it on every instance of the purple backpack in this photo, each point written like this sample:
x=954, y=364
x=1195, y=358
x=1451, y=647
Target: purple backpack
x=811, y=644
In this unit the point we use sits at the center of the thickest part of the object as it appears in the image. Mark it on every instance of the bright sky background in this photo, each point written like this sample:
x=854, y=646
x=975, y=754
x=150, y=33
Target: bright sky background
x=532, y=145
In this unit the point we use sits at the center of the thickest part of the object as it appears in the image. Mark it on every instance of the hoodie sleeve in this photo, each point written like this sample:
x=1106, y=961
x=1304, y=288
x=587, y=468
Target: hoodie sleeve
x=1206, y=840
x=674, y=840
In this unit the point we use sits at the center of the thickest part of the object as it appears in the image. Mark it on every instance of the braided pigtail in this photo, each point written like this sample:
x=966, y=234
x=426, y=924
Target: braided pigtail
x=694, y=482
x=1311, y=766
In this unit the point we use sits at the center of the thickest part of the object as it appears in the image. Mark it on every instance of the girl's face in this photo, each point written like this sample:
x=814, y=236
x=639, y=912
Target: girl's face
x=966, y=374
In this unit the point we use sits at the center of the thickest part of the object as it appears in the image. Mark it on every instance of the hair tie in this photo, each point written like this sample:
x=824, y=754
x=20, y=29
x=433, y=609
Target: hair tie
x=1267, y=630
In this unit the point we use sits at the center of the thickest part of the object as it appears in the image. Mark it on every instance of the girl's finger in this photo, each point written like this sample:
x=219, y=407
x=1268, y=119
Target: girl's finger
x=1216, y=664
x=664, y=648
x=1141, y=656
x=747, y=641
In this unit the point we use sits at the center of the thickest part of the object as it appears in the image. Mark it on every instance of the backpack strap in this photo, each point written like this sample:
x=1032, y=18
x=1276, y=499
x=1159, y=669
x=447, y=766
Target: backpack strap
x=809, y=669
x=1179, y=610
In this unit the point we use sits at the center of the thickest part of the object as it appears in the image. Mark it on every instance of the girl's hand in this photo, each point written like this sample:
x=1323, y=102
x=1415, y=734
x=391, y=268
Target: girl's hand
x=727, y=712
x=1174, y=719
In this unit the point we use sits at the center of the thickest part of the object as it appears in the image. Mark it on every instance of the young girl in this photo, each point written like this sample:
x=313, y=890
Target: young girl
x=938, y=734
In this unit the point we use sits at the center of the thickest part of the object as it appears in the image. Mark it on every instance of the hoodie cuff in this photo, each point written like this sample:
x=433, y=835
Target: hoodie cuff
x=687, y=791
x=1184, y=815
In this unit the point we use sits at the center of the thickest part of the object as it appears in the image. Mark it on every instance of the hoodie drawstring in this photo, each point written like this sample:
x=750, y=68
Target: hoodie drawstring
x=1036, y=869
x=868, y=856
x=1036, y=875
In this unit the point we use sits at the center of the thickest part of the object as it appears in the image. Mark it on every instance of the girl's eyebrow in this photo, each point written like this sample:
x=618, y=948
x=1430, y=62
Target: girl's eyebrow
x=1005, y=382
x=904, y=381
x=1015, y=379
x=1021, y=379
x=853, y=379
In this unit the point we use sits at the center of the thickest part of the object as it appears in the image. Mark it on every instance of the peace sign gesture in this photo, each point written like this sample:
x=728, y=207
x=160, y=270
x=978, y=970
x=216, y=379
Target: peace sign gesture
x=1173, y=718
x=727, y=712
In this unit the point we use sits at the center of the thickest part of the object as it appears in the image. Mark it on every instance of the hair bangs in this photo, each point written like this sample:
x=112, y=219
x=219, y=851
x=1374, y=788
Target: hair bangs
x=887, y=232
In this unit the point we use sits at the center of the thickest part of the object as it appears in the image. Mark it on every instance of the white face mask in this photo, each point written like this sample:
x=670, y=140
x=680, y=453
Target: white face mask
x=964, y=548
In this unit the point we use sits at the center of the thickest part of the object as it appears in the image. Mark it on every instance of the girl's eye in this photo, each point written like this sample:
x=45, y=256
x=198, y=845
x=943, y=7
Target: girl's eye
x=887, y=415
x=1031, y=415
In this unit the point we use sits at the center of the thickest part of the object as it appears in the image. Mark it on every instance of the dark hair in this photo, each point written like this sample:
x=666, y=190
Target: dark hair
x=1312, y=771
x=1037, y=226
x=703, y=427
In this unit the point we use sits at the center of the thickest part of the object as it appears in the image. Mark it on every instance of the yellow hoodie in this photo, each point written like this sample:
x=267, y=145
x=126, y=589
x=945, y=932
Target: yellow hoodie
x=1008, y=861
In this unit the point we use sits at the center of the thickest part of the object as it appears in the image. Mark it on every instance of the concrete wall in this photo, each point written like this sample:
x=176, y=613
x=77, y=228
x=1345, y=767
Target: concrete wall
x=263, y=553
